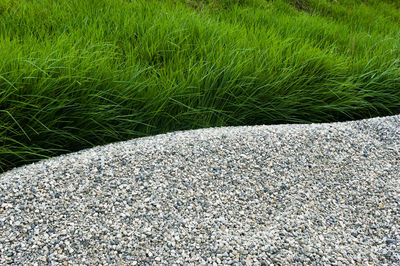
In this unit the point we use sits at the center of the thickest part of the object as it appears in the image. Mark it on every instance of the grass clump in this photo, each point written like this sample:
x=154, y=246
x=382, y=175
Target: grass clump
x=74, y=74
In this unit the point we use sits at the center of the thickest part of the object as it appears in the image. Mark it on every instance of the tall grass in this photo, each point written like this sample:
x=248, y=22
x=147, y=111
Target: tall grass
x=74, y=74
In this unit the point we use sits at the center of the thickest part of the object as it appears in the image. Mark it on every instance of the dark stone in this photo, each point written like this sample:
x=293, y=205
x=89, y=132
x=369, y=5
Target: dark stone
x=390, y=242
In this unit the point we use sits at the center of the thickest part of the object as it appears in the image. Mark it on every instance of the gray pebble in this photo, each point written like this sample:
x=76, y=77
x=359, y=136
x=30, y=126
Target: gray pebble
x=261, y=195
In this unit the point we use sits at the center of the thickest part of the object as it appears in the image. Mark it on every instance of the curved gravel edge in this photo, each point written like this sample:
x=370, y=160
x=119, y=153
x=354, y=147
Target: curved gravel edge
x=277, y=194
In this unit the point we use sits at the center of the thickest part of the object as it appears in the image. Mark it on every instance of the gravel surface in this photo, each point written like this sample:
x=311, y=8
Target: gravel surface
x=281, y=194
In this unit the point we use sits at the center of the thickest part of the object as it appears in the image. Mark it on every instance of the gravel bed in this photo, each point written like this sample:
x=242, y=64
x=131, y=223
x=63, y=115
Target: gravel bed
x=281, y=194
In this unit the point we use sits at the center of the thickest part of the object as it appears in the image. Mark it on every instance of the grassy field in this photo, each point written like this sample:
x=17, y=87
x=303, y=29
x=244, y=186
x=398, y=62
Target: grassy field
x=74, y=74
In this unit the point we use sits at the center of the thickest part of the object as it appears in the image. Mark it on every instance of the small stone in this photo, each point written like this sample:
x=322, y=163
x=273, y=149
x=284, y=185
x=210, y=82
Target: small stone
x=302, y=201
x=390, y=241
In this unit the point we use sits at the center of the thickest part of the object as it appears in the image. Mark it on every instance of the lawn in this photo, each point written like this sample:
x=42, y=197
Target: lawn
x=75, y=74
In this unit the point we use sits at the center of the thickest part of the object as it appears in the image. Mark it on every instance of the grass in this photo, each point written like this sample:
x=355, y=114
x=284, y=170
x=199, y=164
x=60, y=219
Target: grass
x=75, y=74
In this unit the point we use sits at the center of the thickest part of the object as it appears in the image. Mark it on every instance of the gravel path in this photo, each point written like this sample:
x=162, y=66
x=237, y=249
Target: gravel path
x=284, y=194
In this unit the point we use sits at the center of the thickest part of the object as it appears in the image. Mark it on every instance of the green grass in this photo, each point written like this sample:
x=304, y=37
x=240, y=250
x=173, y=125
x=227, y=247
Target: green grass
x=74, y=74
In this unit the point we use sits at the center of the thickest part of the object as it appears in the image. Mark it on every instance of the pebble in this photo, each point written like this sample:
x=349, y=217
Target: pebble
x=260, y=195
